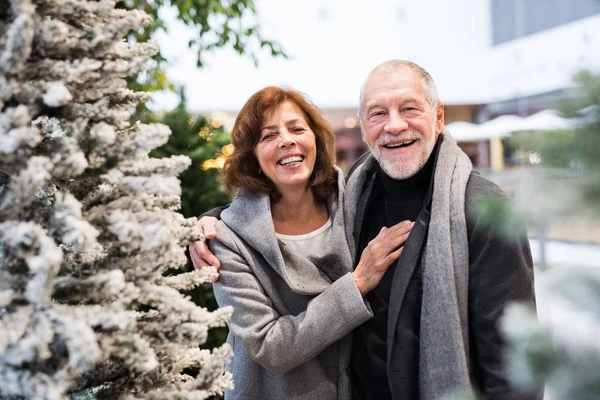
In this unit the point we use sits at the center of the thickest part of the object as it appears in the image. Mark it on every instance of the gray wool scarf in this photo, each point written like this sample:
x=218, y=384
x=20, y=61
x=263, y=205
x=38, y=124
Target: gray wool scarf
x=444, y=346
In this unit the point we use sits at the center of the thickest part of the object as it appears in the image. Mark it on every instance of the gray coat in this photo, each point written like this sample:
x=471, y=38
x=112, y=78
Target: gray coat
x=292, y=315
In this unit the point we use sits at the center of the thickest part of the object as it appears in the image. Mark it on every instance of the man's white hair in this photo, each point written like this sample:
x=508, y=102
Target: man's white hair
x=389, y=67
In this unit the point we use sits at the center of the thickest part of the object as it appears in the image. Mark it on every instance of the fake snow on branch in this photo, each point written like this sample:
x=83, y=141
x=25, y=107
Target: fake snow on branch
x=88, y=222
x=561, y=350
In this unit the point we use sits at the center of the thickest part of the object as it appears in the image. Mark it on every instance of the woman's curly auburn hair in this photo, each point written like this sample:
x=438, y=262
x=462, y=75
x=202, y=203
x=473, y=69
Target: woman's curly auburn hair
x=241, y=169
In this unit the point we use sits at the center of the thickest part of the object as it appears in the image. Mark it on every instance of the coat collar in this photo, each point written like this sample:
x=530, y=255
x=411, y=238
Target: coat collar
x=249, y=216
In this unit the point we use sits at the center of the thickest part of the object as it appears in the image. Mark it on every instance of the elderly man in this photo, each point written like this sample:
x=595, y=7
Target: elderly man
x=436, y=311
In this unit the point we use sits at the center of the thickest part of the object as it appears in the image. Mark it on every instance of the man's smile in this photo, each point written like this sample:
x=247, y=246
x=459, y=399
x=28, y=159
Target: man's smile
x=404, y=143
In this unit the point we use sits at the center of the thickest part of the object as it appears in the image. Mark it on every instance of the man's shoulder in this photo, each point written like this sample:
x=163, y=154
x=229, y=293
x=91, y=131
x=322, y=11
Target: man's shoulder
x=359, y=175
x=360, y=161
x=478, y=186
x=479, y=189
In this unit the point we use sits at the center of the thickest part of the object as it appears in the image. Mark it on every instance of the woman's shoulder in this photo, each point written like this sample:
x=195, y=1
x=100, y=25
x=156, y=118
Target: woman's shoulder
x=244, y=226
x=246, y=205
x=226, y=238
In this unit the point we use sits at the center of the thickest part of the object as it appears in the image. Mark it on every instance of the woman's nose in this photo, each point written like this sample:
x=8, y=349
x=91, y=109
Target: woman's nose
x=286, y=139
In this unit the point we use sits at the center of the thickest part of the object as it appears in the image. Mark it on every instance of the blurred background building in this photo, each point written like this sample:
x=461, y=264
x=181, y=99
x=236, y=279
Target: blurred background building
x=513, y=59
x=502, y=57
x=488, y=57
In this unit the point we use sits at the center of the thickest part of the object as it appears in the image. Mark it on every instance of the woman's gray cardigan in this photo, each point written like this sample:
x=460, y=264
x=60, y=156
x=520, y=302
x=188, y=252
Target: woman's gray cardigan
x=292, y=315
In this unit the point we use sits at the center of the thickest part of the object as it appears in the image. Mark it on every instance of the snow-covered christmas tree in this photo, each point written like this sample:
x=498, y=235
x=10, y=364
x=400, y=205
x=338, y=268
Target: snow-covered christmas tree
x=88, y=223
x=561, y=349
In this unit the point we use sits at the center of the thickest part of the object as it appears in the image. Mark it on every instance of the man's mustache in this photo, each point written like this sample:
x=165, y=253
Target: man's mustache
x=387, y=138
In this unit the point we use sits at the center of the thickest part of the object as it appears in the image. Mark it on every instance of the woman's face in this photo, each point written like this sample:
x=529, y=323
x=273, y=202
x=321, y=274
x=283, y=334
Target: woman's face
x=286, y=150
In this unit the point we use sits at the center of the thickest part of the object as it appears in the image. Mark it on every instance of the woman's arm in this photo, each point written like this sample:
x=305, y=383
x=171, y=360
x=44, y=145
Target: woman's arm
x=282, y=342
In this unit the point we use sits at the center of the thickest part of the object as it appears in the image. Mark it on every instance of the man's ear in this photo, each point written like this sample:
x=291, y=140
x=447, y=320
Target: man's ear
x=362, y=131
x=439, y=118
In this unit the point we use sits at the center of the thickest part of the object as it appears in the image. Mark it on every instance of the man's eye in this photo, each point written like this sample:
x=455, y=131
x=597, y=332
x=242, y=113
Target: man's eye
x=377, y=114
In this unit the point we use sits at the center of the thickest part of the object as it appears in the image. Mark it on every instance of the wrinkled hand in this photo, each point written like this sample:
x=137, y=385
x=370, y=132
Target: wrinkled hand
x=201, y=255
x=379, y=255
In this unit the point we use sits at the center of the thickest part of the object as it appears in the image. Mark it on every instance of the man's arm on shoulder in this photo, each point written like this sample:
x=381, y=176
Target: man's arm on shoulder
x=199, y=252
x=501, y=272
x=215, y=212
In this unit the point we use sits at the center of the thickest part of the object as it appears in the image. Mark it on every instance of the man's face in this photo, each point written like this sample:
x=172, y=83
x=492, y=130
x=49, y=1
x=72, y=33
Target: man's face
x=398, y=123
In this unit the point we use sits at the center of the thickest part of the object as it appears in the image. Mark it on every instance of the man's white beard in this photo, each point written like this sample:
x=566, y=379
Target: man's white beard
x=401, y=167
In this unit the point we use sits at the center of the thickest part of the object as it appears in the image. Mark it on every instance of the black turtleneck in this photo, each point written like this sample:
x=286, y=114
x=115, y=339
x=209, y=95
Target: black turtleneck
x=391, y=201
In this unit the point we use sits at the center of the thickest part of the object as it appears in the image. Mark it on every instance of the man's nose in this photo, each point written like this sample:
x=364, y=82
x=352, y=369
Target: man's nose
x=396, y=123
x=286, y=138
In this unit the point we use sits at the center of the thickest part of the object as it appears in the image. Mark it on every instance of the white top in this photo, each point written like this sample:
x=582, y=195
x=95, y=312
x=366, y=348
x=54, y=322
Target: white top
x=312, y=243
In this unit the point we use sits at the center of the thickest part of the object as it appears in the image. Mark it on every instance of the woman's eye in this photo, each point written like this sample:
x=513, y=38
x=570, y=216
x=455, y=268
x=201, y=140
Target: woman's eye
x=268, y=136
x=298, y=129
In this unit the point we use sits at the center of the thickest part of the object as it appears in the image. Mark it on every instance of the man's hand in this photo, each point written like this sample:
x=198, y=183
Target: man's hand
x=379, y=254
x=201, y=255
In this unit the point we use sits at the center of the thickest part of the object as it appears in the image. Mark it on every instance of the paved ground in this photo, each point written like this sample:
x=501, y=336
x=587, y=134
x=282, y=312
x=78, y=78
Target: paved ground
x=559, y=253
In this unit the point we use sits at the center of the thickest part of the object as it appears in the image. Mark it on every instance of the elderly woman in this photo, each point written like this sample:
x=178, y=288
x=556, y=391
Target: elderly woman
x=285, y=264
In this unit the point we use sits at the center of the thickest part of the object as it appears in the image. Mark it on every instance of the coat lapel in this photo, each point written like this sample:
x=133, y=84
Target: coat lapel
x=405, y=267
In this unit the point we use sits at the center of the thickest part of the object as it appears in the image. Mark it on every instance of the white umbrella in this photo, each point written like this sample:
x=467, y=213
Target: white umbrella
x=502, y=126
x=545, y=120
x=498, y=127
x=589, y=114
x=505, y=125
x=463, y=131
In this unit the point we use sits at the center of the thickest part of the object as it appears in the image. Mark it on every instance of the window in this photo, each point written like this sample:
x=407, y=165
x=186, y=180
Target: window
x=513, y=19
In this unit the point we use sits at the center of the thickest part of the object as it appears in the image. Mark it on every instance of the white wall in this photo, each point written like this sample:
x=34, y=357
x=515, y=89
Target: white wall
x=333, y=44
x=544, y=61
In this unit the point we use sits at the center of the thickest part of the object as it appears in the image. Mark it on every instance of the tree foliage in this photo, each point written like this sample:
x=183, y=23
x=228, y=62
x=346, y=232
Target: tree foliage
x=88, y=223
x=196, y=137
x=200, y=139
x=219, y=24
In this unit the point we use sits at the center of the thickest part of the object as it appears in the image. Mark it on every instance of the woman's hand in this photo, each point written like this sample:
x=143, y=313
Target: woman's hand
x=379, y=255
